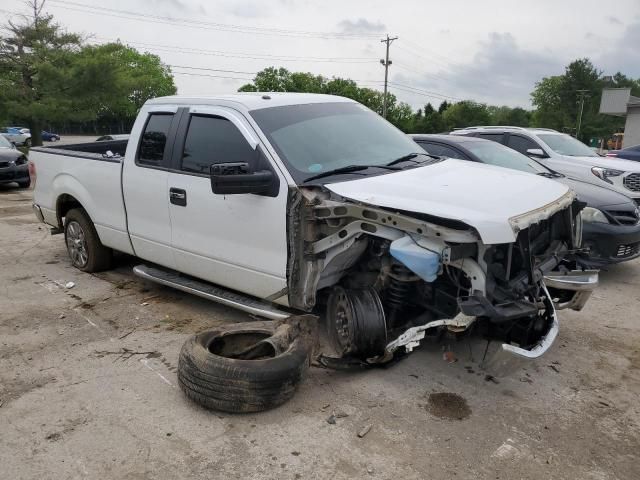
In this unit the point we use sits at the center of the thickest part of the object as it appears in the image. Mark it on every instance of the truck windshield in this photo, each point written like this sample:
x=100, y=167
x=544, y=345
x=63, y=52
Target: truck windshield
x=318, y=137
x=566, y=145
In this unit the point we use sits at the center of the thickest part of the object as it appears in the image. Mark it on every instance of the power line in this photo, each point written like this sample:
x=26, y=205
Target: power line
x=212, y=69
x=422, y=50
x=97, y=10
x=192, y=74
x=425, y=92
x=420, y=55
x=421, y=73
x=188, y=50
x=253, y=56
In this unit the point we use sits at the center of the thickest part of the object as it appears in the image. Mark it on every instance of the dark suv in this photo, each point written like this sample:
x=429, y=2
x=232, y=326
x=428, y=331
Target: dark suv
x=13, y=165
x=611, y=221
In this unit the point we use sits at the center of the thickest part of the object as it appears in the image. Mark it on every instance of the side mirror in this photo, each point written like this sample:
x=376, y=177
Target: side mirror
x=234, y=178
x=536, y=152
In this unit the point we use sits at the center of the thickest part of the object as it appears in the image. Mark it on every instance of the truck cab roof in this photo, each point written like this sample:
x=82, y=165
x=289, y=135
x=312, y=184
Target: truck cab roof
x=251, y=100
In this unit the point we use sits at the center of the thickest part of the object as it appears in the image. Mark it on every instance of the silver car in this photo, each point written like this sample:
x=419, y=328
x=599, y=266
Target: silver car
x=16, y=135
x=564, y=154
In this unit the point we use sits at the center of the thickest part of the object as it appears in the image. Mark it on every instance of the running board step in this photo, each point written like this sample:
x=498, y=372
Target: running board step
x=210, y=292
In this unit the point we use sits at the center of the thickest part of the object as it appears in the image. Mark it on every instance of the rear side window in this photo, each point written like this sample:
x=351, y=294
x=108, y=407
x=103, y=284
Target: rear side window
x=154, y=139
x=494, y=137
x=213, y=140
x=521, y=144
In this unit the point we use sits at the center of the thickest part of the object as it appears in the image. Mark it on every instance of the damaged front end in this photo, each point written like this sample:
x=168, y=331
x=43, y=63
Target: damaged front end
x=388, y=277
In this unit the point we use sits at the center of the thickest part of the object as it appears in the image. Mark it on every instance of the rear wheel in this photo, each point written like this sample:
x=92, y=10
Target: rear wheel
x=83, y=245
x=25, y=184
x=27, y=143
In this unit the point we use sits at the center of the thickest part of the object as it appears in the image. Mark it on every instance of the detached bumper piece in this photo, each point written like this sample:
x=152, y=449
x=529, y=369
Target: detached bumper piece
x=506, y=358
x=571, y=289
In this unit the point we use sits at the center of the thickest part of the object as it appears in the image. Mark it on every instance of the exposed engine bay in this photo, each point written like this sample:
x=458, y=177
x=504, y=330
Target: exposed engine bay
x=385, y=277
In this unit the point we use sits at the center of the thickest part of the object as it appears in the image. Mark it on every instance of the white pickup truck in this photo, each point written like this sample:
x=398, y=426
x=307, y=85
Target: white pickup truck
x=280, y=203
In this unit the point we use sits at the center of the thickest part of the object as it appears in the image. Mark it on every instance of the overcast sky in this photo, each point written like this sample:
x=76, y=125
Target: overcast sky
x=490, y=51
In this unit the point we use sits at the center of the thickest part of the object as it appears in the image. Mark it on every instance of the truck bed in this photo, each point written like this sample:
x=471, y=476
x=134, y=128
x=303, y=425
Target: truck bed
x=116, y=147
x=87, y=173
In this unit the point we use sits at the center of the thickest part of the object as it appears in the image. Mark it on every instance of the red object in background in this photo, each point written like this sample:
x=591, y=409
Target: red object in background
x=32, y=173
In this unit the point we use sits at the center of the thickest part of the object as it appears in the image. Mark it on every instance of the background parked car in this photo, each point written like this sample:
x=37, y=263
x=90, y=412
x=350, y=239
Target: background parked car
x=13, y=165
x=629, y=153
x=50, y=137
x=566, y=155
x=611, y=221
x=17, y=136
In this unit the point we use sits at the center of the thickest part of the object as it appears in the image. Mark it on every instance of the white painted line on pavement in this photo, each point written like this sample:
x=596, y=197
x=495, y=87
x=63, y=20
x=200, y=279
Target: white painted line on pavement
x=145, y=362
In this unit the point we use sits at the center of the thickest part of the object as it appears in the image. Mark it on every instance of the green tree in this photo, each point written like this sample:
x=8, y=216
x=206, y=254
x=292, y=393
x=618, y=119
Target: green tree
x=466, y=113
x=518, y=117
x=136, y=78
x=270, y=79
x=556, y=101
x=274, y=79
x=47, y=75
x=36, y=71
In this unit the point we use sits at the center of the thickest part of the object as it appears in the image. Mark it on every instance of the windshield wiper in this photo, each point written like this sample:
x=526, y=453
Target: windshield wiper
x=411, y=157
x=346, y=169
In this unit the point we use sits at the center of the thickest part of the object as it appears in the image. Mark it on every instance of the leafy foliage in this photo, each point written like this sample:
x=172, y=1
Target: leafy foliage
x=427, y=120
x=556, y=100
x=274, y=79
x=48, y=75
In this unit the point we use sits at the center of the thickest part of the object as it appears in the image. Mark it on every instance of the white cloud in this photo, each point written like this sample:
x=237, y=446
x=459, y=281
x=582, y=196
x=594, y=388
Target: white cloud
x=361, y=25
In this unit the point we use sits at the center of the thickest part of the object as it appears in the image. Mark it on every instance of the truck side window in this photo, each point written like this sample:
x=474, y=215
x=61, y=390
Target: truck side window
x=213, y=140
x=521, y=144
x=154, y=139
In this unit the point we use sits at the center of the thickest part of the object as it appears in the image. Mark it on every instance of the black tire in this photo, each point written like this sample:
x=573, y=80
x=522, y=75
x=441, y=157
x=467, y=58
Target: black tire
x=96, y=256
x=217, y=382
x=25, y=184
x=27, y=143
x=356, y=323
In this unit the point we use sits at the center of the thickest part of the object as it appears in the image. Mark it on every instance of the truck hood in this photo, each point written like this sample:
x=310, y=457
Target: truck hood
x=497, y=202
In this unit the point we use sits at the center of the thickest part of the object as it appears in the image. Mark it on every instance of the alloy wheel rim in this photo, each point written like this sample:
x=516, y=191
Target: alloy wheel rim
x=343, y=322
x=77, y=244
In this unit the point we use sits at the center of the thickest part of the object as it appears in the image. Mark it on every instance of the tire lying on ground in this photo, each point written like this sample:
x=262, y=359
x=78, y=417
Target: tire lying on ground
x=247, y=367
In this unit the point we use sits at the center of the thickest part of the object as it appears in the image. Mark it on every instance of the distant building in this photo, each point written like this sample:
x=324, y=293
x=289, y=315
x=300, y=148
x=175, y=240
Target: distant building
x=620, y=102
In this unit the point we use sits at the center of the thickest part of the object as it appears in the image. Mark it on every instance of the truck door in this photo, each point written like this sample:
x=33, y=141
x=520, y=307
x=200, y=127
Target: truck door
x=144, y=184
x=237, y=241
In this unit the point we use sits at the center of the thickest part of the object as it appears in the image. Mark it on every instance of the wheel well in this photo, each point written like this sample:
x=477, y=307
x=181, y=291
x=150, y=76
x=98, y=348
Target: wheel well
x=65, y=203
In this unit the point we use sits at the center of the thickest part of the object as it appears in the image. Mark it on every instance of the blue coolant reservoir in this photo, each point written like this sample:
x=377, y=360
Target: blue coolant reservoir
x=424, y=263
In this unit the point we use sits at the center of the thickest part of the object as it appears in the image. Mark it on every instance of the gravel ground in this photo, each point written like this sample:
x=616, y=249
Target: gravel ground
x=88, y=389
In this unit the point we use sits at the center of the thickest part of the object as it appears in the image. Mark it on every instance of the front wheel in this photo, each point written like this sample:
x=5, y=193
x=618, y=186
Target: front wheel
x=356, y=322
x=85, y=249
x=27, y=143
x=25, y=184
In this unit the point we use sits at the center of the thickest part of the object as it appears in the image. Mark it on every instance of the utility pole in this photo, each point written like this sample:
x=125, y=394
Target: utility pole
x=386, y=62
x=582, y=95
